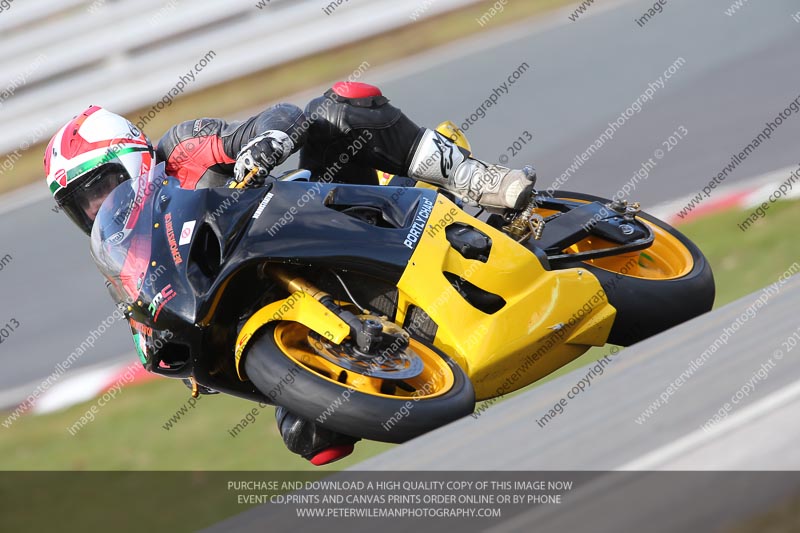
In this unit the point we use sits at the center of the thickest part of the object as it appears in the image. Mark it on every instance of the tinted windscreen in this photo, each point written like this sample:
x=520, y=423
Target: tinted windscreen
x=121, y=236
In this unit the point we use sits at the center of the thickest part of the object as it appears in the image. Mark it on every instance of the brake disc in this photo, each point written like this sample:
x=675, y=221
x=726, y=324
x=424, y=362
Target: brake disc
x=394, y=362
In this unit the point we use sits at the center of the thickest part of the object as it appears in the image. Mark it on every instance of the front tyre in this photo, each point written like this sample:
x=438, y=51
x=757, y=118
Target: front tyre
x=281, y=364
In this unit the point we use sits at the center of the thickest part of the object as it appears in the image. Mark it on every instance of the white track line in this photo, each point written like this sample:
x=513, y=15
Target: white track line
x=661, y=456
x=668, y=210
x=11, y=398
x=72, y=390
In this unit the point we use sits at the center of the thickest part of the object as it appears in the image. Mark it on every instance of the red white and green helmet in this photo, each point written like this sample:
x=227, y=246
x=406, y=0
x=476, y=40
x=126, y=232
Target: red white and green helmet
x=88, y=157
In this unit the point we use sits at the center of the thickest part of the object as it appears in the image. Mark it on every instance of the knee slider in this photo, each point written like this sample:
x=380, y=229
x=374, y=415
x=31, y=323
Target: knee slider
x=304, y=437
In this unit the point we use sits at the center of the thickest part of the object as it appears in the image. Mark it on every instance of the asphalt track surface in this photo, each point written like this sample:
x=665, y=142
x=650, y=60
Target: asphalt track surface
x=739, y=72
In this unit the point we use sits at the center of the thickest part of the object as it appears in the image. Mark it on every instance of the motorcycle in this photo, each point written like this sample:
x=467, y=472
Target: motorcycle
x=384, y=312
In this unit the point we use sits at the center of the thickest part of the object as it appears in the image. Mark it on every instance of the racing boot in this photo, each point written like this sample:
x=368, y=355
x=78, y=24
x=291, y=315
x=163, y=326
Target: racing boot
x=316, y=444
x=439, y=161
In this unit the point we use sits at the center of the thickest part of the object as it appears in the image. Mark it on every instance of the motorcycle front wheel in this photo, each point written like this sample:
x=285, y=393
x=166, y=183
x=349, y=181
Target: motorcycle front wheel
x=282, y=364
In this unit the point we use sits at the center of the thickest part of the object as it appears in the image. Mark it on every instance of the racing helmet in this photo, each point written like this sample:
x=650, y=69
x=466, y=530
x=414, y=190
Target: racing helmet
x=89, y=157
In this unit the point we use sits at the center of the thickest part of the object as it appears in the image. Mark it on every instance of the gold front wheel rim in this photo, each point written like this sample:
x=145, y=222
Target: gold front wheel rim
x=436, y=379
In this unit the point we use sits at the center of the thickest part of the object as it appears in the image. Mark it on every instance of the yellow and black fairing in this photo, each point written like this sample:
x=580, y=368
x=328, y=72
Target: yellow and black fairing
x=547, y=318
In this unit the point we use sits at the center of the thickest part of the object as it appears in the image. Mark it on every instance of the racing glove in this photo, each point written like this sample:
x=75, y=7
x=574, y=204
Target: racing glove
x=264, y=152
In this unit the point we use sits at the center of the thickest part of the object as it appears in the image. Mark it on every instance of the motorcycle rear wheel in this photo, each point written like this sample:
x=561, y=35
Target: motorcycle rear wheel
x=281, y=364
x=652, y=289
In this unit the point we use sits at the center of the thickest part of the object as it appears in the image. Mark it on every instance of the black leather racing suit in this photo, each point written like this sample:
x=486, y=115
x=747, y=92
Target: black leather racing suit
x=202, y=152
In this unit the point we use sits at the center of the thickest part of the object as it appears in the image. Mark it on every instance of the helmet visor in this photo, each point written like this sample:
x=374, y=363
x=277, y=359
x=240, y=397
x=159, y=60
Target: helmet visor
x=85, y=197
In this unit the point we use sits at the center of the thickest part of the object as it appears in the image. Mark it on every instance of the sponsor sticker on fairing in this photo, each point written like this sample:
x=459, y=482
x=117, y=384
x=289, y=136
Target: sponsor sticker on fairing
x=160, y=300
x=262, y=205
x=173, y=246
x=186, y=232
x=418, y=225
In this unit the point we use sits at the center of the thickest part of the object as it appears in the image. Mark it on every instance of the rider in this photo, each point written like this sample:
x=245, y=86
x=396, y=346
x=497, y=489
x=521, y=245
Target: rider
x=343, y=135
